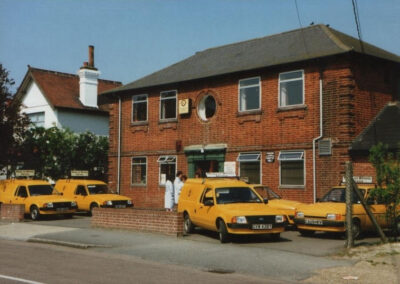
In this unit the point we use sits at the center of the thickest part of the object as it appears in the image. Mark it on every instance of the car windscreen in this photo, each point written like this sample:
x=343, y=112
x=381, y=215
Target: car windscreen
x=97, y=188
x=227, y=195
x=40, y=189
x=339, y=195
x=266, y=192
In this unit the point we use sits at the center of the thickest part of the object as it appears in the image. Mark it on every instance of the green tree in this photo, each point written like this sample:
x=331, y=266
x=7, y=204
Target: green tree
x=12, y=122
x=387, y=165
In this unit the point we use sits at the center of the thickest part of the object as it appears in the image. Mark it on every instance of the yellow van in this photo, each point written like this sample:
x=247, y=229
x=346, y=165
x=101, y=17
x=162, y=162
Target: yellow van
x=329, y=214
x=38, y=196
x=89, y=194
x=227, y=206
x=288, y=207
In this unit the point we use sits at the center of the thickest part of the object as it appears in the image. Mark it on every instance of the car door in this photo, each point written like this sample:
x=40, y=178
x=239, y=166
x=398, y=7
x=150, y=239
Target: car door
x=378, y=208
x=21, y=194
x=81, y=197
x=206, y=213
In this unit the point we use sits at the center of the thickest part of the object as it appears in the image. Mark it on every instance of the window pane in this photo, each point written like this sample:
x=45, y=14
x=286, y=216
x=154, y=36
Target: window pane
x=139, y=174
x=250, y=171
x=285, y=156
x=249, y=82
x=292, y=173
x=249, y=157
x=37, y=119
x=168, y=170
x=139, y=111
x=168, y=108
x=139, y=98
x=171, y=94
x=291, y=75
x=249, y=98
x=291, y=93
x=141, y=160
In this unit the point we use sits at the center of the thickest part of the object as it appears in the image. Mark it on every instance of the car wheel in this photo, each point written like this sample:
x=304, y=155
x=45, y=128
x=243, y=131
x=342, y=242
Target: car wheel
x=356, y=230
x=223, y=232
x=306, y=233
x=188, y=226
x=275, y=237
x=93, y=205
x=35, y=214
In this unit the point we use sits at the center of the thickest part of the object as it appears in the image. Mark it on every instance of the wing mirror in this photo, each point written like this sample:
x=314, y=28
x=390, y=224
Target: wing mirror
x=265, y=200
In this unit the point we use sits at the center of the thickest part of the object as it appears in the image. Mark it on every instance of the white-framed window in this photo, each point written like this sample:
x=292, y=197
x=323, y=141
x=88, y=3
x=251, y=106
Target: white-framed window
x=167, y=170
x=37, y=119
x=249, y=94
x=250, y=167
x=139, y=108
x=291, y=165
x=168, y=105
x=291, y=88
x=139, y=170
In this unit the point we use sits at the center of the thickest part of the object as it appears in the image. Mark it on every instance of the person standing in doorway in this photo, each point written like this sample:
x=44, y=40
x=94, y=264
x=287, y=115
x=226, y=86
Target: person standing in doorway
x=178, y=186
x=169, y=193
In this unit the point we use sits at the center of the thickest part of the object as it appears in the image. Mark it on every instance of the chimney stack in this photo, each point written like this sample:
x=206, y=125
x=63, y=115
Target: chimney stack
x=88, y=81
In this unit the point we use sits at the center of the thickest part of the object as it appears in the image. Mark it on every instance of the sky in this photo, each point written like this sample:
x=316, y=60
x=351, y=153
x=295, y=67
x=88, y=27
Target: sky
x=134, y=38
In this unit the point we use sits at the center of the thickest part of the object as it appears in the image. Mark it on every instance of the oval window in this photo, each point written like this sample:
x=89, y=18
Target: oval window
x=206, y=107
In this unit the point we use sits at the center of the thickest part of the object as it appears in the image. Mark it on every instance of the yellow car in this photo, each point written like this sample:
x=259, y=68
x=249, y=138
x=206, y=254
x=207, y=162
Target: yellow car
x=288, y=207
x=89, y=194
x=329, y=214
x=227, y=206
x=38, y=196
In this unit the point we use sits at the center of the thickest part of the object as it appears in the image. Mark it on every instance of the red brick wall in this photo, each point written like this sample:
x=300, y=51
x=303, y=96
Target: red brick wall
x=169, y=223
x=346, y=112
x=12, y=212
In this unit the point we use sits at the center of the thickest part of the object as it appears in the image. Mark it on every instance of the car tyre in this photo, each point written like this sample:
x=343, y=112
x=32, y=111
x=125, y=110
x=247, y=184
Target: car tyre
x=93, y=205
x=306, y=233
x=35, y=213
x=188, y=226
x=356, y=229
x=224, y=236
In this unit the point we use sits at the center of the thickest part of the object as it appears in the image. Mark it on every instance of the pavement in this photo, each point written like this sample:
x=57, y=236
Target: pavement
x=286, y=260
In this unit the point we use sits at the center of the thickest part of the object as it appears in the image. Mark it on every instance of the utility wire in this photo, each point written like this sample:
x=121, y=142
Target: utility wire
x=357, y=19
x=301, y=27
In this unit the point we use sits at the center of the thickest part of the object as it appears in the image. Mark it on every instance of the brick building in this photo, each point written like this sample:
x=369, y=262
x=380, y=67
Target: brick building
x=254, y=106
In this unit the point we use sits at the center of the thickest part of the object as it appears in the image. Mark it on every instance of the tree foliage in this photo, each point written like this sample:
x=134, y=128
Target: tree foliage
x=12, y=122
x=387, y=165
x=54, y=152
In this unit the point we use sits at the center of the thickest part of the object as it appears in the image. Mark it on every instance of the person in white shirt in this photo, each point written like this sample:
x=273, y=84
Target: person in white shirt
x=178, y=186
x=169, y=194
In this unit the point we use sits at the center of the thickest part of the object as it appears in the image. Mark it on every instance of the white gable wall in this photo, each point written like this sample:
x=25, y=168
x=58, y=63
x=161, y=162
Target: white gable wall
x=97, y=124
x=34, y=101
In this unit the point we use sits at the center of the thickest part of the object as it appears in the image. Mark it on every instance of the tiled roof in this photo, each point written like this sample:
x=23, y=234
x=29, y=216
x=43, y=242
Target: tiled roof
x=384, y=128
x=293, y=46
x=62, y=89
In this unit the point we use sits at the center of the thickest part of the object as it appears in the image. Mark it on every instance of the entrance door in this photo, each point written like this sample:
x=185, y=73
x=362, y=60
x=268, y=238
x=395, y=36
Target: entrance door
x=203, y=167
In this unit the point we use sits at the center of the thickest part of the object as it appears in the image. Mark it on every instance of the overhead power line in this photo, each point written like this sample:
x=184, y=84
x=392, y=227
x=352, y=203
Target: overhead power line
x=358, y=24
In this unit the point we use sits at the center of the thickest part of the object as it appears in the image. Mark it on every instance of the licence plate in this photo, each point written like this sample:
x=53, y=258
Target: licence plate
x=261, y=226
x=120, y=206
x=62, y=209
x=313, y=222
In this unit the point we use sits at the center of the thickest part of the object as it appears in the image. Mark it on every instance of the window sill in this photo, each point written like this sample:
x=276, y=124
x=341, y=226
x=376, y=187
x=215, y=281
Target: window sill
x=282, y=187
x=169, y=120
x=138, y=185
x=168, y=124
x=249, y=112
x=289, y=108
x=139, y=123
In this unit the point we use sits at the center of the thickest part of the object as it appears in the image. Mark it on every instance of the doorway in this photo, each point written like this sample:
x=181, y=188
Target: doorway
x=206, y=166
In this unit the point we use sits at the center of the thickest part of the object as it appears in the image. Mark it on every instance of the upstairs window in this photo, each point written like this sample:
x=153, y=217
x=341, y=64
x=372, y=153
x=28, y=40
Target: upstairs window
x=139, y=108
x=37, y=119
x=249, y=94
x=139, y=171
x=291, y=88
x=168, y=105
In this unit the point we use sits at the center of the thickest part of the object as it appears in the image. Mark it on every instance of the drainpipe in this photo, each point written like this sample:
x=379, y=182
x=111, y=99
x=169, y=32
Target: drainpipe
x=317, y=138
x=119, y=147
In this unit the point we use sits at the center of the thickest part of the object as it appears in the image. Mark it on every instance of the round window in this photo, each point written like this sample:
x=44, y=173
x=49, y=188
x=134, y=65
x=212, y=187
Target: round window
x=206, y=107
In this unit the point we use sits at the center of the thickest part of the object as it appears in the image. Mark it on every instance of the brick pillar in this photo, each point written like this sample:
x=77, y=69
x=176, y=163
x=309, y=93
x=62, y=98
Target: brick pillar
x=12, y=212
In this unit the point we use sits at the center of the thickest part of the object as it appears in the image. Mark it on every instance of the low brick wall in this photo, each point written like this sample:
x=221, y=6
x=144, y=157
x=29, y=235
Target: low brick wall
x=12, y=212
x=145, y=220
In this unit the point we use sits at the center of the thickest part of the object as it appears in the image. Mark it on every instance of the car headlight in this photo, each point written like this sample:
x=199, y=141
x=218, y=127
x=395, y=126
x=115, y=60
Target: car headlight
x=332, y=216
x=73, y=203
x=49, y=205
x=129, y=202
x=239, y=220
x=279, y=219
x=108, y=203
x=299, y=214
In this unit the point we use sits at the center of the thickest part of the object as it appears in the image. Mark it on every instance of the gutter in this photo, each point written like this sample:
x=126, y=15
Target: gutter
x=317, y=138
x=119, y=147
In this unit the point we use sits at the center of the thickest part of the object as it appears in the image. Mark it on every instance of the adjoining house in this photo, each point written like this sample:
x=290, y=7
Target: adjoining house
x=384, y=128
x=52, y=98
x=281, y=110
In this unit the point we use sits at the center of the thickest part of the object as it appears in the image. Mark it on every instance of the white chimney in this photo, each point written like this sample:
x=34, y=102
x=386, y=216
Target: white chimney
x=88, y=81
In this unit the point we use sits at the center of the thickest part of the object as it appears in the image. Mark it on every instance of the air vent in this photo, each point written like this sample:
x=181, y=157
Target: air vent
x=325, y=147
